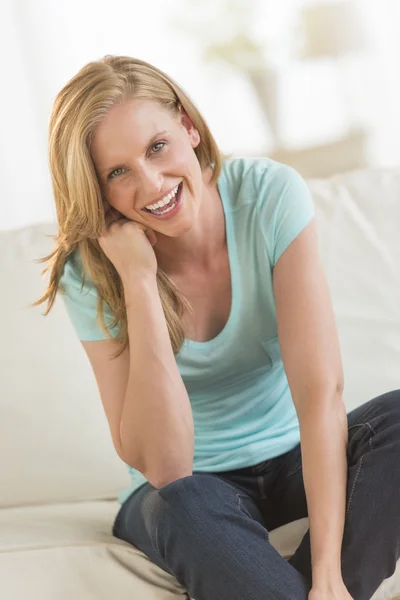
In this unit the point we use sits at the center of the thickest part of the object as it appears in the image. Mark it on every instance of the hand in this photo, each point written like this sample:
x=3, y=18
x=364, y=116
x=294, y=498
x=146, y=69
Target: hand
x=329, y=591
x=128, y=244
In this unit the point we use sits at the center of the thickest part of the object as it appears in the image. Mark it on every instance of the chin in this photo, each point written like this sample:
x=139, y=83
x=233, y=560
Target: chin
x=178, y=230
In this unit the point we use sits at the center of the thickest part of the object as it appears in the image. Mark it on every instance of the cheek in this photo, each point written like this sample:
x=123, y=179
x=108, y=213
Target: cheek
x=185, y=161
x=120, y=197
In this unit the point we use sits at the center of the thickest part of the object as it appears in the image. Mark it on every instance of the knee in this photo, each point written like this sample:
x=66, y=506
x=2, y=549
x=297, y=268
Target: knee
x=179, y=507
x=389, y=407
x=394, y=400
x=384, y=420
x=193, y=491
x=182, y=499
x=379, y=425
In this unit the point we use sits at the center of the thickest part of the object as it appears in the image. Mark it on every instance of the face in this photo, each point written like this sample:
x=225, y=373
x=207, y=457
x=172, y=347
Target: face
x=142, y=152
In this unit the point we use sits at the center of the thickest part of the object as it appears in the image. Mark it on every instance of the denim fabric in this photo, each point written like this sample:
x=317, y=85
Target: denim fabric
x=210, y=530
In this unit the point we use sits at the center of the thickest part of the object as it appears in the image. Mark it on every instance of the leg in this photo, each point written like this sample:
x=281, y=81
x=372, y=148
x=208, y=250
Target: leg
x=371, y=544
x=371, y=541
x=210, y=535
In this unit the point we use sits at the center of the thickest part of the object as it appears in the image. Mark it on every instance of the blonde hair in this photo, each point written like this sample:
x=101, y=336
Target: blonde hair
x=78, y=108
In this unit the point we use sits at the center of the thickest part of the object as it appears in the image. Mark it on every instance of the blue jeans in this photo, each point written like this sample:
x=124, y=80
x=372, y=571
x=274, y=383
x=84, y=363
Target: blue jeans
x=210, y=530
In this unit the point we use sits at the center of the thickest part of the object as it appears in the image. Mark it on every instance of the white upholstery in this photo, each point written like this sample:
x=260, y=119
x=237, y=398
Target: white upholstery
x=59, y=474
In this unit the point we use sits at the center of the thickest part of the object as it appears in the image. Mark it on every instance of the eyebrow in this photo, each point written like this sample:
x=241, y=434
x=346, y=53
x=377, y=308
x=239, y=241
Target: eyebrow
x=150, y=142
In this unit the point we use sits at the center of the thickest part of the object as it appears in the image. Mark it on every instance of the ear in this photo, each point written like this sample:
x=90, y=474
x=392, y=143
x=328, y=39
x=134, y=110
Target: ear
x=187, y=123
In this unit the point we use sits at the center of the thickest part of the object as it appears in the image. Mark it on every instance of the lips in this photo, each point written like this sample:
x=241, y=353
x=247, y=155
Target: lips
x=169, y=210
x=171, y=203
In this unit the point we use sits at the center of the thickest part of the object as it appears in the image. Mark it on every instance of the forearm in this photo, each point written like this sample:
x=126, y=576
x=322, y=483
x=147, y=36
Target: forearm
x=323, y=443
x=156, y=422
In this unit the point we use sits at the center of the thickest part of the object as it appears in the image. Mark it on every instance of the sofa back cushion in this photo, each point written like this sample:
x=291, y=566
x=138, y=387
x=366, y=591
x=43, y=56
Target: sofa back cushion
x=55, y=444
x=358, y=216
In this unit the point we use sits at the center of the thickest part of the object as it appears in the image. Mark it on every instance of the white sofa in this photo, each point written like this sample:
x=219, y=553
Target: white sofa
x=59, y=474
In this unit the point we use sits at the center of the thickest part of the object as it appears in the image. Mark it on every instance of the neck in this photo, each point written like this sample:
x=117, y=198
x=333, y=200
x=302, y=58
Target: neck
x=198, y=247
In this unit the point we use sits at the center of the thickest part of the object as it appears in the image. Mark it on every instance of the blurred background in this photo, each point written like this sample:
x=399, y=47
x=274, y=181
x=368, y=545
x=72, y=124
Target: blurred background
x=314, y=84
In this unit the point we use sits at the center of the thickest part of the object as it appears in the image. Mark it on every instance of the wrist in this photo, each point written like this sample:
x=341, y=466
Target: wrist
x=137, y=283
x=327, y=571
x=136, y=276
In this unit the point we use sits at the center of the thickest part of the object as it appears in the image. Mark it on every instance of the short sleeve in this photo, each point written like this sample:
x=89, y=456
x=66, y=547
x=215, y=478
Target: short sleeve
x=81, y=303
x=285, y=208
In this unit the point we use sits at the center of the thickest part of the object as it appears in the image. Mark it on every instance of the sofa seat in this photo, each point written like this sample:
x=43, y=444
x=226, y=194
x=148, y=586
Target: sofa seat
x=65, y=551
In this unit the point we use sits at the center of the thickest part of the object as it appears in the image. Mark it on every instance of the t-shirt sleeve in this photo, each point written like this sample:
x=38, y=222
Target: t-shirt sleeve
x=285, y=208
x=81, y=304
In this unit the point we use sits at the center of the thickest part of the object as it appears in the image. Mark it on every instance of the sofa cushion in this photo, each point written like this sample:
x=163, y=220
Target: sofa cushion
x=54, y=438
x=66, y=551
x=358, y=216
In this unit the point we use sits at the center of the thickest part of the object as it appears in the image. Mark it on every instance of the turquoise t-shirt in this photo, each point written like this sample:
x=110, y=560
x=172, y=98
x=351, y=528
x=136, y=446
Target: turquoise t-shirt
x=243, y=411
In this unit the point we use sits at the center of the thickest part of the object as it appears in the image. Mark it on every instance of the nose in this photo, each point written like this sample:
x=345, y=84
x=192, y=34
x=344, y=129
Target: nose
x=151, y=180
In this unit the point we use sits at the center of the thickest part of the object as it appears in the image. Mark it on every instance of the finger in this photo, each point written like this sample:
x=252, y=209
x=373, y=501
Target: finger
x=108, y=216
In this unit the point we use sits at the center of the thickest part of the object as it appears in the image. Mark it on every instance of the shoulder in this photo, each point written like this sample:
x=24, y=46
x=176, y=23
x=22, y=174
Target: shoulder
x=256, y=180
x=73, y=280
x=81, y=300
x=72, y=269
x=275, y=178
x=284, y=205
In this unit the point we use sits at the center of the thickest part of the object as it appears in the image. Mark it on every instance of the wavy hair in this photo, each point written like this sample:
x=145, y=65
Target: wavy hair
x=78, y=108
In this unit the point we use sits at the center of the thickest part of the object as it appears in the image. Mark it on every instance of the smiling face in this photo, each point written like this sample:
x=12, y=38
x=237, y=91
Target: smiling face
x=142, y=152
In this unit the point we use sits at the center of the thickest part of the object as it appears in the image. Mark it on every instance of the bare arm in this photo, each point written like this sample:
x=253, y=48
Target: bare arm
x=311, y=356
x=142, y=391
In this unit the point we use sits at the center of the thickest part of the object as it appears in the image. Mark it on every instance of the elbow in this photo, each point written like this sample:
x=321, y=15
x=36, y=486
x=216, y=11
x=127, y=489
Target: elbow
x=321, y=402
x=328, y=395
x=340, y=386
x=163, y=474
x=159, y=480
x=160, y=476
x=129, y=458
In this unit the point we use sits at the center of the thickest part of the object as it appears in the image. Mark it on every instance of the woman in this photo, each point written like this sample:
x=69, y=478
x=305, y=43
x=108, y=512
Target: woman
x=195, y=286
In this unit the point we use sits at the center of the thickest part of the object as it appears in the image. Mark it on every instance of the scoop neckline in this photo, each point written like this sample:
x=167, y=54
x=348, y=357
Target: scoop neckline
x=231, y=246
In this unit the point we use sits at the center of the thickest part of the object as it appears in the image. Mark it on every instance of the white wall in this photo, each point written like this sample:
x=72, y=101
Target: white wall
x=44, y=43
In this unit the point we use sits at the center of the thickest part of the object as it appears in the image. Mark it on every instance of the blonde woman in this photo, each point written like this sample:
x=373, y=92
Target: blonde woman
x=195, y=286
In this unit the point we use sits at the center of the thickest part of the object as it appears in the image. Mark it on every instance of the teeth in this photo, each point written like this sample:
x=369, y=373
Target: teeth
x=166, y=200
x=162, y=212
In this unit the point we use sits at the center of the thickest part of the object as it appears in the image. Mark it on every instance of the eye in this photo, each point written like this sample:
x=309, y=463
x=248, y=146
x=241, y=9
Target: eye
x=157, y=147
x=115, y=173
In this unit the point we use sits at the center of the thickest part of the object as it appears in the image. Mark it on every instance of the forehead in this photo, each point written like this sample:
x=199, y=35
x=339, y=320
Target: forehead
x=129, y=124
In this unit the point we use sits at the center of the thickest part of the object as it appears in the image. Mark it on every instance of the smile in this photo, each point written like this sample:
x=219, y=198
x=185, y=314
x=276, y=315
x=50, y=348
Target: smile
x=164, y=205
